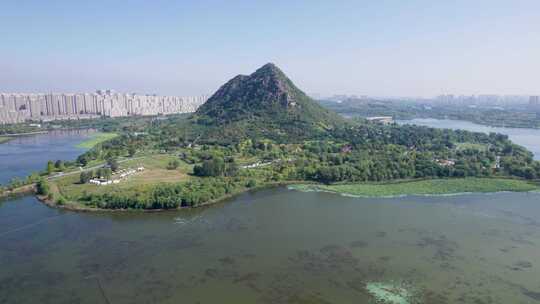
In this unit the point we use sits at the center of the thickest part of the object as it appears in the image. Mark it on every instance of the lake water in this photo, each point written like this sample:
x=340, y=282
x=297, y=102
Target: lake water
x=529, y=138
x=23, y=155
x=272, y=246
x=276, y=246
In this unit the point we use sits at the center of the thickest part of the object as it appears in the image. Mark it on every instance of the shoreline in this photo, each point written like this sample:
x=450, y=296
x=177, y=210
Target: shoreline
x=77, y=207
x=24, y=134
x=23, y=190
x=5, y=139
x=475, y=122
x=311, y=187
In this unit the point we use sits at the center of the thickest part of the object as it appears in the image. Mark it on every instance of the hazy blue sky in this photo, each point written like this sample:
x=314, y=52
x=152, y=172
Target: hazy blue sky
x=414, y=47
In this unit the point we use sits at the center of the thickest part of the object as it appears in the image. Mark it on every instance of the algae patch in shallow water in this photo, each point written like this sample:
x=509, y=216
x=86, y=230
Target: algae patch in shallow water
x=429, y=187
x=389, y=293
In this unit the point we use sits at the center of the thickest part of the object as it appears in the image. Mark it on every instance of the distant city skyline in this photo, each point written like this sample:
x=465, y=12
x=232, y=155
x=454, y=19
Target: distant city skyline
x=21, y=107
x=415, y=48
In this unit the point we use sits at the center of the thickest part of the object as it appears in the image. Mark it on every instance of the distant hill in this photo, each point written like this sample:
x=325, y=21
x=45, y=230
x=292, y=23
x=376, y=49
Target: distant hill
x=265, y=104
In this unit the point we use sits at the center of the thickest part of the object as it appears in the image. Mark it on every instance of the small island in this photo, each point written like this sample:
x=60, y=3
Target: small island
x=261, y=131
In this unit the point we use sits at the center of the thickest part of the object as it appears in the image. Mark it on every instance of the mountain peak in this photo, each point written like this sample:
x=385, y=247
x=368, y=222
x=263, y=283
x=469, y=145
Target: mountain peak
x=267, y=89
x=270, y=73
x=269, y=67
x=265, y=96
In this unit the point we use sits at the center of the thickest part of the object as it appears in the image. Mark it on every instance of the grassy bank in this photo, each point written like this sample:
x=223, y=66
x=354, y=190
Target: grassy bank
x=4, y=139
x=17, y=191
x=425, y=187
x=95, y=139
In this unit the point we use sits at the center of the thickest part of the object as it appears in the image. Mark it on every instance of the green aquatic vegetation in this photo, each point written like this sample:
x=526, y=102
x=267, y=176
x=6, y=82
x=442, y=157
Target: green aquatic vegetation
x=95, y=139
x=424, y=187
x=4, y=139
x=389, y=293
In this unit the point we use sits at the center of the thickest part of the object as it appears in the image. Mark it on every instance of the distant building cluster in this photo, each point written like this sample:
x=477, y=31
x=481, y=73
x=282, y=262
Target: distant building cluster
x=122, y=174
x=484, y=100
x=18, y=107
x=339, y=98
x=498, y=100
